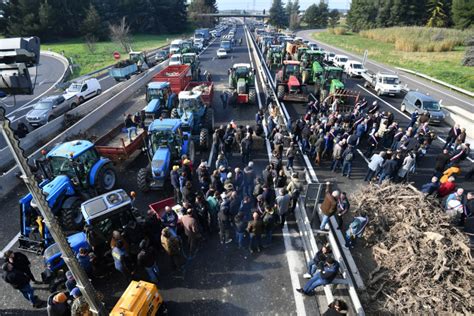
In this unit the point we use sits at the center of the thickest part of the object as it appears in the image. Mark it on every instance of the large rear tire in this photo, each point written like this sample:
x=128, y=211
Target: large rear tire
x=106, y=178
x=204, y=139
x=71, y=218
x=252, y=96
x=144, y=179
x=209, y=119
x=280, y=92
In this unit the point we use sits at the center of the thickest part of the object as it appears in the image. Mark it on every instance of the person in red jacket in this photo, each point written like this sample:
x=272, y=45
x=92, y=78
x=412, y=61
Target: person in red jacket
x=447, y=188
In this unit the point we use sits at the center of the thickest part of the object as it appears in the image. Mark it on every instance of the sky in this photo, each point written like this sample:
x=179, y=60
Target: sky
x=265, y=4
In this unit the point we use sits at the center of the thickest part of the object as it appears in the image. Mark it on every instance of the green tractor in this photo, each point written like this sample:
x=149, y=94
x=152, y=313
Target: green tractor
x=242, y=79
x=331, y=81
x=274, y=57
x=311, y=65
x=192, y=60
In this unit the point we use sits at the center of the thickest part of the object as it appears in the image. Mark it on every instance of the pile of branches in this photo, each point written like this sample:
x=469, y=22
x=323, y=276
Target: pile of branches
x=123, y=63
x=424, y=263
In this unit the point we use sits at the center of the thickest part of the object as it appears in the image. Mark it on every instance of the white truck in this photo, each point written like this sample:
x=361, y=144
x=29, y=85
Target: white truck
x=383, y=83
x=354, y=68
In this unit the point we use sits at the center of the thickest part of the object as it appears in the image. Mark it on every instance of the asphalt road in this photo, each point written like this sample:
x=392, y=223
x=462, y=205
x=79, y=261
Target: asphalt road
x=439, y=92
x=45, y=76
x=221, y=279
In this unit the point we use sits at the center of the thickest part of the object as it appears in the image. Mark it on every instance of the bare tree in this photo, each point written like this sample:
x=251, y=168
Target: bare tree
x=90, y=42
x=120, y=33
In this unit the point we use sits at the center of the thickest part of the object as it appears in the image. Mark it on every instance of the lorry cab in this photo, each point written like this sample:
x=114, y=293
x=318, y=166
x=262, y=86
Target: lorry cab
x=176, y=59
x=417, y=101
x=227, y=45
x=175, y=46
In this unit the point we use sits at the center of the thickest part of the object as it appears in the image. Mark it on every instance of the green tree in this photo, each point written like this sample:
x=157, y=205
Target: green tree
x=362, y=15
x=92, y=26
x=294, y=20
x=197, y=7
x=438, y=14
x=334, y=18
x=311, y=15
x=277, y=14
x=463, y=13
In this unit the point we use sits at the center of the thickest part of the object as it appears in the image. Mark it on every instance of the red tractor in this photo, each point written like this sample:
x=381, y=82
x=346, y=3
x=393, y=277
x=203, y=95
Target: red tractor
x=289, y=83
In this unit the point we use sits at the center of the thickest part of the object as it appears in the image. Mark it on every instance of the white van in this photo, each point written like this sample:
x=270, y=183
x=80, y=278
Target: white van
x=176, y=46
x=83, y=90
x=340, y=61
x=354, y=68
x=176, y=59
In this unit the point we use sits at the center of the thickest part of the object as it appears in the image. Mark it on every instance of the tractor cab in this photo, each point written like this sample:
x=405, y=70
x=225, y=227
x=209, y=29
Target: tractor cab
x=300, y=52
x=242, y=79
x=161, y=100
x=139, y=58
x=333, y=78
x=187, y=47
x=291, y=68
x=290, y=86
x=191, y=107
x=166, y=144
x=102, y=214
x=192, y=60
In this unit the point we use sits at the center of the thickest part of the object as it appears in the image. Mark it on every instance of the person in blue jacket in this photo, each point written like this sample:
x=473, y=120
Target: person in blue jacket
x=356, y=229
x=322, y=276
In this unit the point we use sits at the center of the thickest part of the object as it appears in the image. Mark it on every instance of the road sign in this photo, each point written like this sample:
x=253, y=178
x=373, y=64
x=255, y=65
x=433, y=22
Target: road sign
x=116, y=55
x=365, y=57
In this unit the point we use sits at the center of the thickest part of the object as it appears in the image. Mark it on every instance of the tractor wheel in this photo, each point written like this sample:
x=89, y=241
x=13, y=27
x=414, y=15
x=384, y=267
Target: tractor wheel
x=71, y=218
x=204, y=139
x=106, y=178
x=174, y=113
x=209, y=119
x=252, y=96
x=379, y=92
x=280, y=92
x=144, y=179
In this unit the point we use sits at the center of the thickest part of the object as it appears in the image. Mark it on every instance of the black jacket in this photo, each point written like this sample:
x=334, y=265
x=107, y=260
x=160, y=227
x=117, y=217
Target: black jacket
x=16, y=278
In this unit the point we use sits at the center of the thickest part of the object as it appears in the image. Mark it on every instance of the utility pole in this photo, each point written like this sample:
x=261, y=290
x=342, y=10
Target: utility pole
x=82, y=280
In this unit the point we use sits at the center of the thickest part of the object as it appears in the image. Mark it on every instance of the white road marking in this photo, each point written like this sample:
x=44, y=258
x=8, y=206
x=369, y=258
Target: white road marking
x=10, y=244
x=294, y=266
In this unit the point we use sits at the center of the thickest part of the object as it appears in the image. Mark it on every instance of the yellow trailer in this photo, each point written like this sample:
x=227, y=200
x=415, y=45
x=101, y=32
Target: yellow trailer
x=139, y=299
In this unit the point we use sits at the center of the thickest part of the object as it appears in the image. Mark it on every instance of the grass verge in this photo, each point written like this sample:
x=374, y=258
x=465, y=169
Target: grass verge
x=445, y=66
x=88, y=61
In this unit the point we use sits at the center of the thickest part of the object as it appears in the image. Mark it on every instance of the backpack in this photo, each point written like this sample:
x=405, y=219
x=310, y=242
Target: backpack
x=349, y=156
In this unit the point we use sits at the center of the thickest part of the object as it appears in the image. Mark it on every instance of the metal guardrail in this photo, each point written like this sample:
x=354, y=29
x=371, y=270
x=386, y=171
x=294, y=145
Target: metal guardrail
x=450, y=86
x=303, y=221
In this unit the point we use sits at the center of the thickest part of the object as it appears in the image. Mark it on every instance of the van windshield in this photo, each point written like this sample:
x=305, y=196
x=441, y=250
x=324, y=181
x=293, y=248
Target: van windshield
x=390, y=80
x=431, y=106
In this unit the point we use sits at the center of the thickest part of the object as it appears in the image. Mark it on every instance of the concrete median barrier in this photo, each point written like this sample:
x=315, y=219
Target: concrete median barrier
x=91, y=112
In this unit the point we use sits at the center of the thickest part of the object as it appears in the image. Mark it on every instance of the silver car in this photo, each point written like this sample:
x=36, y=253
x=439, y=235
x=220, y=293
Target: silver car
x=47, y=109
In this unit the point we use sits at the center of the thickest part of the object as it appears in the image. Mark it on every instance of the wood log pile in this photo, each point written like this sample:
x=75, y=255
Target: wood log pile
x=423, y=262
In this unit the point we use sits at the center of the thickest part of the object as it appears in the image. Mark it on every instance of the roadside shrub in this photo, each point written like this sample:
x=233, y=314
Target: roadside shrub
x=340, y=31
x=419, y=39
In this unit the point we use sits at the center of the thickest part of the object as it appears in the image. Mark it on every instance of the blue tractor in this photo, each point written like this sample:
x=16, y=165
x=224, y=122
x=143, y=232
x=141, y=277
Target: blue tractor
x=196, y=117
x=161, y=100
x=103, y=214
x=166, y=143
x=72, y=172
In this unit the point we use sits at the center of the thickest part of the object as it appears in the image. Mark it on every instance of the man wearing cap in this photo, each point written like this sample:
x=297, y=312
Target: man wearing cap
x=21, y=282
x=79, y=305
x=57, y=305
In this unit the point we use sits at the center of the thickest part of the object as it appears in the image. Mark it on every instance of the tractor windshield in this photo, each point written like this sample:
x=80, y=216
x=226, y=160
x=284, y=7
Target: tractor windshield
x=155, y=94
x=188, y=59
x=292, y=70
x=335, y=74
x=161, y=139
x=241, y=72
x=64, y=166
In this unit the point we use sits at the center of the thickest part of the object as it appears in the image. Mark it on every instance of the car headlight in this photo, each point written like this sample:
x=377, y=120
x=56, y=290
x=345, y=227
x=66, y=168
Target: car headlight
x=45, y=115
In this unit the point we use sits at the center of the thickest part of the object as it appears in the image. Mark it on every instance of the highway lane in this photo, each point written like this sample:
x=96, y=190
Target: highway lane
x=447, y=96
x=221, y=279
x=49, y=71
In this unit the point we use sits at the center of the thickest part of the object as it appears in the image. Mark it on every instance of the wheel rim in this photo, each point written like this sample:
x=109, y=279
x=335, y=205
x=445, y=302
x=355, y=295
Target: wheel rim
x=109, y=179
x=77, y=217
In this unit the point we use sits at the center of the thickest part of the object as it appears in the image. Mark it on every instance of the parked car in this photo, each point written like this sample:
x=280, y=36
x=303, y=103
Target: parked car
x=49, y=108
x=313, y=46
x=354, y=68
x=221, y=53
x=83, y=90
x=176, y=59
x=329, y=57
x=421, y=102
x=340, y=61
